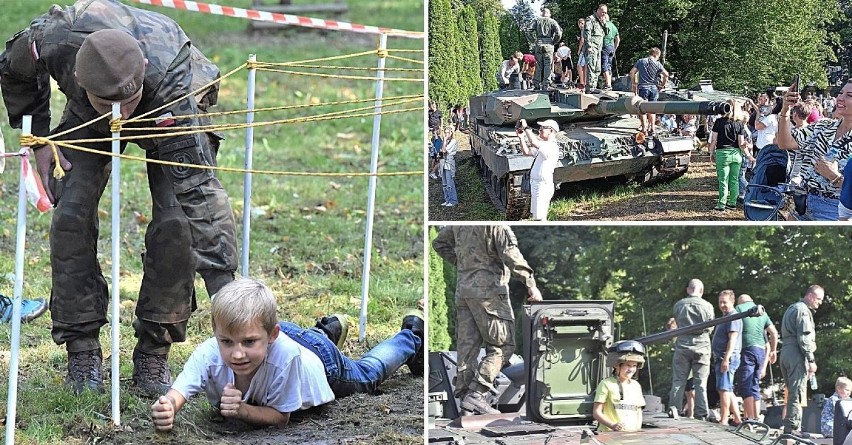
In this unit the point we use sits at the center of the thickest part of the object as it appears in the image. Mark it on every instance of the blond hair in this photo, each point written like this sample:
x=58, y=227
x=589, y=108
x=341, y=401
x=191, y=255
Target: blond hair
x=843, y=382
x=735, y=113
x=243, y=302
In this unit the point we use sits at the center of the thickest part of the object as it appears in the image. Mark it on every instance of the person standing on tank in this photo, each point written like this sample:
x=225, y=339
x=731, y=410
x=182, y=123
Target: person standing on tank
x=692, y=351
x=593, y=43
x=546, y=34
x=485, y=258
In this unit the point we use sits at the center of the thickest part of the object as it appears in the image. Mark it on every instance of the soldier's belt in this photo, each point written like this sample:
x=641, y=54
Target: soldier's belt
x=544, y=41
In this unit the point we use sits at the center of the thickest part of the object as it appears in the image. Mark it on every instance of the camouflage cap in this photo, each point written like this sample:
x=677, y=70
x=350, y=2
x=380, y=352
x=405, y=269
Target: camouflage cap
x=110, y=65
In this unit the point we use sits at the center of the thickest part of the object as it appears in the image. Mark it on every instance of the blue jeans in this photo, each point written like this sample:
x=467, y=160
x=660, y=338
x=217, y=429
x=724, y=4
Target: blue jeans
x=347, y=376
x=725, y=381
x=450, y=195
x=648, y=92
x=748, y=374
x=820, y=208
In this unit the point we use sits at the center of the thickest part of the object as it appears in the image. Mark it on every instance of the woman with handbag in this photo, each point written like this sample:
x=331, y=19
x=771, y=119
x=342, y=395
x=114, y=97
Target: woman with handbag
x=448, y=169
x=546, y=155
x=727, y=147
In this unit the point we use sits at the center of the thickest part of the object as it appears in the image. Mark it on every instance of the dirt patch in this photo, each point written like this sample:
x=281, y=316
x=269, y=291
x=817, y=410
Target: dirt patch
x=689, y=198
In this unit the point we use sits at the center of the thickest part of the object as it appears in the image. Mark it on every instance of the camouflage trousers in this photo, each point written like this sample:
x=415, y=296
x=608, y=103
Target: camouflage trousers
x=192, y=229
x=695, y=360
x=488, y=321
x=593, y=66
x=794, y=370
x=543, y=65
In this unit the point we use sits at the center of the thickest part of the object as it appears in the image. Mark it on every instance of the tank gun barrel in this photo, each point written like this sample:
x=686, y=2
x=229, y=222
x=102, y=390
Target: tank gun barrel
x=668, y=335
x=635, y=105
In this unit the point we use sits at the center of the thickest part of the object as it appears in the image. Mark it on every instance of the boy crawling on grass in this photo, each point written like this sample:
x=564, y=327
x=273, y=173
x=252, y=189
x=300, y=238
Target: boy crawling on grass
x=259, y=370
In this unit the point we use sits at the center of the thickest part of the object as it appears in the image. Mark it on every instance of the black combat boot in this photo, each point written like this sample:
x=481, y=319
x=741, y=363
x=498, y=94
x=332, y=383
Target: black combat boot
x=335, y=327
x=151, y=373
x=413, y=321
x=475, y=402
x=84, y=371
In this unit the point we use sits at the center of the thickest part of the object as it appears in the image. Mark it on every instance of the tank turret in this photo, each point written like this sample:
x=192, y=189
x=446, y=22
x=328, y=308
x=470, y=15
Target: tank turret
x=598, y=139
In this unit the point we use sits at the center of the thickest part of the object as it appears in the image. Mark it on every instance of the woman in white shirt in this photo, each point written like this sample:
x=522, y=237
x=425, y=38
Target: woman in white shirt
x=546, y=152
x=448, y=170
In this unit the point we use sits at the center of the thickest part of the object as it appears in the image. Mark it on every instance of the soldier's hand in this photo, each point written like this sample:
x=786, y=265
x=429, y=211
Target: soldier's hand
x=163, y=414
x=232, y=399
x=44, y=160
x=534, y=294
x=812, y=368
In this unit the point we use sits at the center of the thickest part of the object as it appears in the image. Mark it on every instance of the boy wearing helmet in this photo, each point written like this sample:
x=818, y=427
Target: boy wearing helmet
x=618, y=398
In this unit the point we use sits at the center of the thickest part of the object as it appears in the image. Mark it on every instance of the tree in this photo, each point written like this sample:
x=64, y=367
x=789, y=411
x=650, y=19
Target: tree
x=511, y=37
x=469, y=79
x=523, y=15
x=439, y=327
x=443, y=55
x=489, y=51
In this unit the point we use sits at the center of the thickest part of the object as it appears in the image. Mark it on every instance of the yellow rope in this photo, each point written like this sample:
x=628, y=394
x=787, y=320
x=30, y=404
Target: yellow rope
x=382, y=53
x=391, y=50
x=321, y=59
x=224, y=127
x=193, y=93
x=407, y=60
x=356, y=68
x=335, y=76
x=172, y=131
x=281, y=108
x=30, y=140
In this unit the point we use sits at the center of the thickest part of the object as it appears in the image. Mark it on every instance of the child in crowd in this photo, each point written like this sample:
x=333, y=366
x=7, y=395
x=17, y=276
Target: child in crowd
x=436, y=146
x=842, y=389
x=618, y=398
x=259, y=370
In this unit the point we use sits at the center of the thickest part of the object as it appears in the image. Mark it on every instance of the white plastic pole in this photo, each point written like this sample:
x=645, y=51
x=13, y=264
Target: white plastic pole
x=116, y=259
x=252, y=73
x=371, y=197
x=20, y=236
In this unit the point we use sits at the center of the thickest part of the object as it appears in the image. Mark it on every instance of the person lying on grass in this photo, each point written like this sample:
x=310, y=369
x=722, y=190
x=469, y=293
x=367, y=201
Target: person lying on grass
x=259, y=370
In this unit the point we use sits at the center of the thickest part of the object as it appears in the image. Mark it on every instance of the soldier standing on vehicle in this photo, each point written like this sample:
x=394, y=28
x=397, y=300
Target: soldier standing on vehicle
x=593, y=41
x=691, y=351
x=100, y=52
x=485, y=258
x=547, y=33
x=798, y=344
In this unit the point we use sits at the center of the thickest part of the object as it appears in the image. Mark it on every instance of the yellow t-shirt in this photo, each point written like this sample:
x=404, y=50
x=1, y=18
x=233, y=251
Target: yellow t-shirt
x=627, y=410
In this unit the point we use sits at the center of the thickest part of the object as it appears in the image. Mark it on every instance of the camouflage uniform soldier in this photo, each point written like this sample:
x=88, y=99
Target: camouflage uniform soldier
x=485, y=257
x=593, y=37
x=691, y=351
x=100, y=51
x=798, y=344
x=547, y=33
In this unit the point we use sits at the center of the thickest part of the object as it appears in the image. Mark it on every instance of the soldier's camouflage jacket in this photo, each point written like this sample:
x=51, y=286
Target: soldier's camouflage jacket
x=485, y=257
x=48, y=48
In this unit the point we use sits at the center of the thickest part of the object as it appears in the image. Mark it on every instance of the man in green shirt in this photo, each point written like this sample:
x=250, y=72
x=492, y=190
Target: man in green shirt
x=610, y=45
x=757, y=352
x=798, y=338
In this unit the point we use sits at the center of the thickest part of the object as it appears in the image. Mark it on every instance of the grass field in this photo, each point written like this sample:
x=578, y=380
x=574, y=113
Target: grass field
x=307, y=231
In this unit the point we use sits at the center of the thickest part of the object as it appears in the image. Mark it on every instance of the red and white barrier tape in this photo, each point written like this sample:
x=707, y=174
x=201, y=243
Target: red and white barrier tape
x=284, y=19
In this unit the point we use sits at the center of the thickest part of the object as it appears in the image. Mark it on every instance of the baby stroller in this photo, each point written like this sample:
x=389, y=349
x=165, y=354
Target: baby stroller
x=764, y=195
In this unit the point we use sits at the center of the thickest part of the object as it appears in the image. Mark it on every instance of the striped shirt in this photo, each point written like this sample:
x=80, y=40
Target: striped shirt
x=814, y=142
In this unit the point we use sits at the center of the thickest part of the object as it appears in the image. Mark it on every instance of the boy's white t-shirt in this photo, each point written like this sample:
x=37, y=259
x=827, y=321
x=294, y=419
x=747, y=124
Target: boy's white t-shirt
x=291, y=378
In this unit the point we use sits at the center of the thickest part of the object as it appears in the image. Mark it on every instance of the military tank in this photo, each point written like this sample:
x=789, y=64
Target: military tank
x=547, y=396
x=599, y=138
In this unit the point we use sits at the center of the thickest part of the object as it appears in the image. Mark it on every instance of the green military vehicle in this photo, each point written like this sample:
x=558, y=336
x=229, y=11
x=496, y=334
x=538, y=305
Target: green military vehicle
x=548, y=396
x=599, y=139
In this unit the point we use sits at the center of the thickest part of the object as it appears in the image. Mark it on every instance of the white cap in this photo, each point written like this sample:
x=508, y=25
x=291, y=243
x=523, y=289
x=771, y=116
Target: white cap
x=550, y=123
